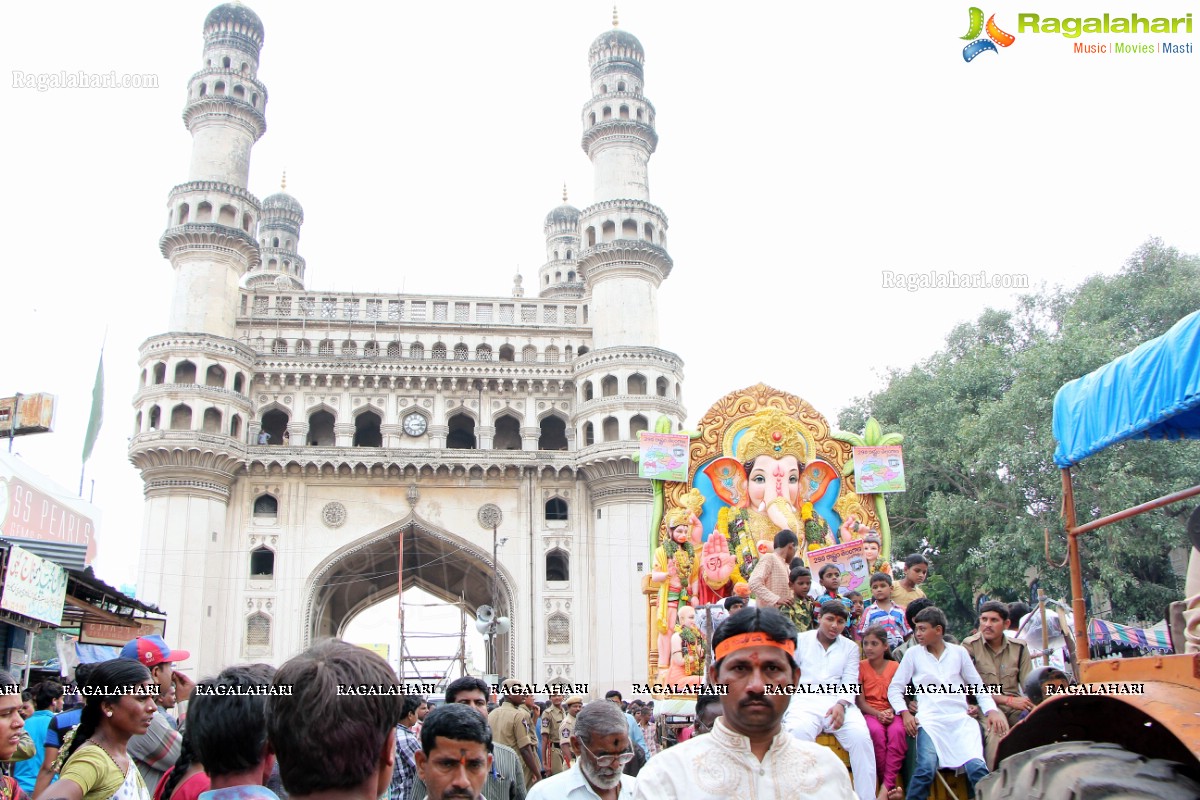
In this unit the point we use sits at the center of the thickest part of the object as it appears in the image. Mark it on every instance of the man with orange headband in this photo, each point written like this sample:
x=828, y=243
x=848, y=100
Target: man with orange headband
x=748, y=755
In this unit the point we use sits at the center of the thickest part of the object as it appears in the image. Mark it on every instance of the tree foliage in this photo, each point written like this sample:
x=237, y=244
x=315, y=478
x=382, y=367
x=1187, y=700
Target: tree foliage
x=982, y=485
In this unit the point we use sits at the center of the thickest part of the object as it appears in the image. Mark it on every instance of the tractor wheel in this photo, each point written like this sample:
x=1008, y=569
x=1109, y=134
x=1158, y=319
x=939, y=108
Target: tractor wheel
x=1086, y=771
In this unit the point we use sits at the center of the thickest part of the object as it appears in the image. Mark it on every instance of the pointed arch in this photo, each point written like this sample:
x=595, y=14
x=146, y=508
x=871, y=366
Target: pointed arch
x=321, y=419
x=185, y=372
x=461, y=434
x=181, y=417
x=262, y=562
x=553, y=431
x=508, y=431
x=558, y=565
x=363, y=572
x=638, y=424
x=367, y=427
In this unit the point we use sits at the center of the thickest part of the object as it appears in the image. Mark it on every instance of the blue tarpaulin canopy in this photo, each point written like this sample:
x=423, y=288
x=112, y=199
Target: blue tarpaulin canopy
x=93, y=653
x=1152, y=392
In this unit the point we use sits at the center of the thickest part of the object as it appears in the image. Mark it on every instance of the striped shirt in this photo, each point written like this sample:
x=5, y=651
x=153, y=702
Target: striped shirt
x=892, y=621
x=405, y=769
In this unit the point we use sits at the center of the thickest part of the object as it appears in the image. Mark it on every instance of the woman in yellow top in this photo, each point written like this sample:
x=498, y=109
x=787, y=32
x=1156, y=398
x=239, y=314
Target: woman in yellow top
x=119, y=705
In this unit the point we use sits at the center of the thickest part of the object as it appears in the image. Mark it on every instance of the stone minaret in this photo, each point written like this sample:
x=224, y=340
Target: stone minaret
x=282, y=267
x=623, y=235
x=210, y=231
x=626, y=382
x=559, y=276
x=193, y=405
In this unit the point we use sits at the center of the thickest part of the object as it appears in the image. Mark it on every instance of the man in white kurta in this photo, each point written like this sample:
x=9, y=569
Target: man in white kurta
x=720, y=766
x=829, y=672
x=748, y=755
x=942, y=676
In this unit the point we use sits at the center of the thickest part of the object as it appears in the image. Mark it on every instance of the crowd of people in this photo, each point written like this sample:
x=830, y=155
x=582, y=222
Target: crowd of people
x=792, y=668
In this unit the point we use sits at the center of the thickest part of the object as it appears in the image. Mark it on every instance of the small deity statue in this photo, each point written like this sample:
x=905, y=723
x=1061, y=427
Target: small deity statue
x=815, y=531
x=676, y=569
x=853, y=529
x=689, y=650
x=726, y=563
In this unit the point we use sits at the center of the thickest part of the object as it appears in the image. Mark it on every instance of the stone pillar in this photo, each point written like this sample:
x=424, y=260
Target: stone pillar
x=529, y=437
x=343, y=433
x=185, y=546
x=437, y=435
x=391, y=435
x=485, y=435
x=622, y=506
x=298, y=429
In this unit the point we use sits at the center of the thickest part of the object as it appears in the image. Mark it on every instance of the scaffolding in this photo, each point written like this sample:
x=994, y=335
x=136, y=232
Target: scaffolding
x=412, y=668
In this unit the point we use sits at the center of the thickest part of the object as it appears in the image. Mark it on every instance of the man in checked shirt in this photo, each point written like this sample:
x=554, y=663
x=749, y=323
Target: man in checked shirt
x=407, y=746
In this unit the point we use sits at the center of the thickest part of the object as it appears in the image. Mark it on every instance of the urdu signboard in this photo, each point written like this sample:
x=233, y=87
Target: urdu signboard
x=34, y=587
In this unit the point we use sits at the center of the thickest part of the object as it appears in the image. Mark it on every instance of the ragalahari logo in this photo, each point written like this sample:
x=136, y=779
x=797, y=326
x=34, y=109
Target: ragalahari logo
x=994, y=37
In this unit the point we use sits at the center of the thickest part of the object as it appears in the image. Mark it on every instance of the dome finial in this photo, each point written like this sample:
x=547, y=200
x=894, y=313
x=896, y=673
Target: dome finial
x=614, y=16
x=564, y=193
x=283, y=181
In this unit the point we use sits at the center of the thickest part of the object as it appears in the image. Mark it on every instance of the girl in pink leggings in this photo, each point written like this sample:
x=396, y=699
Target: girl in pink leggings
x=887, y=730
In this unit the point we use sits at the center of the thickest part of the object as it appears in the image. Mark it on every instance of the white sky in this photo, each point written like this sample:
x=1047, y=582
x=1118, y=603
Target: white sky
x=803, y=149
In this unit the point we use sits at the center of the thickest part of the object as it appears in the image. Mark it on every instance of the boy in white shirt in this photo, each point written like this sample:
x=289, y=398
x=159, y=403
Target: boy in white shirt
x=942, y=675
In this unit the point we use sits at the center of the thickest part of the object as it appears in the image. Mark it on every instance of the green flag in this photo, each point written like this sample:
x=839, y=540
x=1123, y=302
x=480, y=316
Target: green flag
x=97, y=418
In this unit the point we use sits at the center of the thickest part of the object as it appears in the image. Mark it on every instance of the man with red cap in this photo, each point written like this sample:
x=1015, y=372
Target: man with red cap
x=157, y=750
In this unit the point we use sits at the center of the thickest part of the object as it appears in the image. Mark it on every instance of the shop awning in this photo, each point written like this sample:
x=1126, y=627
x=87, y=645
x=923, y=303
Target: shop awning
x=90, y=599
x=1102, y=632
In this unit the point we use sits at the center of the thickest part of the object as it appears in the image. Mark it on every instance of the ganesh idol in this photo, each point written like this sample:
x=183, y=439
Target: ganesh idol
x=676, y=570
x=771, y=479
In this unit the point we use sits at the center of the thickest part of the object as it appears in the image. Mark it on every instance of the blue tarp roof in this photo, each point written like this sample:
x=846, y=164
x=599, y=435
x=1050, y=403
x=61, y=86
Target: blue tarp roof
x=1152, y=392
x=92, y=653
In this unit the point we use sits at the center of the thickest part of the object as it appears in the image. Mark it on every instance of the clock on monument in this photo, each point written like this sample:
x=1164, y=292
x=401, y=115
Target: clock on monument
x=415, y=424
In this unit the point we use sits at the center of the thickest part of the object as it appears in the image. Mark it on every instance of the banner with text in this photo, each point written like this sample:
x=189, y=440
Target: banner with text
x=33, y=508
x=34, y=587
x=878, y=469
x=849, y=559
x=114, y=635
x=664, y=456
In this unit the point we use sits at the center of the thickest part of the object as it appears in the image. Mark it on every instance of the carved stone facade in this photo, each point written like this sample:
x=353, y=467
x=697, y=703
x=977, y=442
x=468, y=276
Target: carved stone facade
x=299, y=446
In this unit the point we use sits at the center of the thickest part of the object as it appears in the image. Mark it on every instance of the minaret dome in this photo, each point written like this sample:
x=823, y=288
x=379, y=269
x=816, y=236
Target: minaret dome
x=278, y=240
x=559, y=275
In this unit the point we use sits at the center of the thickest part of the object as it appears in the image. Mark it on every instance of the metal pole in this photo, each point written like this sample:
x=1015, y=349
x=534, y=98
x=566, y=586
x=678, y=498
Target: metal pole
x=495, y=670
x=1078, y=604
x=16, y=420
x=1045, y=627
x=400, y=598
x=28, y=657
x=1150, y=505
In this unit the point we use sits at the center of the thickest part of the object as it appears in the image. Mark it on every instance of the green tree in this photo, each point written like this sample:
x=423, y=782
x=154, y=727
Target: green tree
x=982, y=485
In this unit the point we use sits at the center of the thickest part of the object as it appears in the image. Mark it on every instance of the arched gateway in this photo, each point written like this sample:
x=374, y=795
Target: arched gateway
x=364, y=572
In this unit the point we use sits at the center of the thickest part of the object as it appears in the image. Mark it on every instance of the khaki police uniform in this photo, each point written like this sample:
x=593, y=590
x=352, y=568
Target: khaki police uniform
x=552, y=721
x=511, y=726
x=1008, y=668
